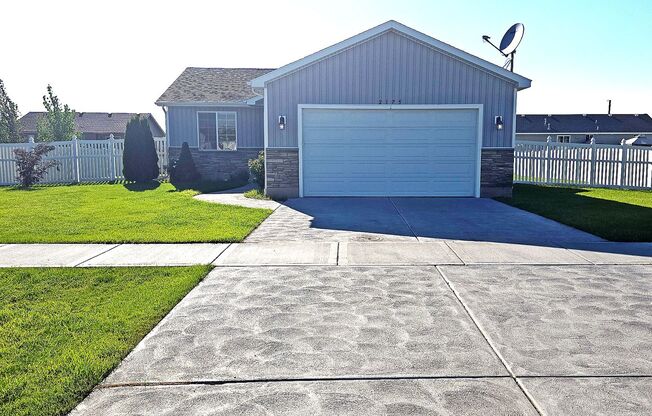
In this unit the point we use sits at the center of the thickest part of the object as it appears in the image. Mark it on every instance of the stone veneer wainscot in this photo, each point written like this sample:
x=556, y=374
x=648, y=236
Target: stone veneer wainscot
x=219, y=165
x=496, y=177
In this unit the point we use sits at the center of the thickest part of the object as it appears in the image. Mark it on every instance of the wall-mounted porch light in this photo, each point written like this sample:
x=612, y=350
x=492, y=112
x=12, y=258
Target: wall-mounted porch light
x=281, y=122
x=499, y=123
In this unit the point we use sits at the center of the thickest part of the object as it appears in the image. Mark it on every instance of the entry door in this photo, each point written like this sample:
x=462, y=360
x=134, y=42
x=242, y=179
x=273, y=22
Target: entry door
x=389, y=152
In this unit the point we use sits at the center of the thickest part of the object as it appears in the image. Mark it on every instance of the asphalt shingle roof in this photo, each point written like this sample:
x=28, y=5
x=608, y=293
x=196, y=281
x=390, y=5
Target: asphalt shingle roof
x=583, y=123
x=212, y=85
x=101, y=123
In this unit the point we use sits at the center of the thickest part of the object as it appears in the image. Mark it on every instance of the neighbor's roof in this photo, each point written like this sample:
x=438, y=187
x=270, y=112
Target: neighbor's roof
x=212, y=86
x=583, y=123
x=395, y=26
x=101, y=123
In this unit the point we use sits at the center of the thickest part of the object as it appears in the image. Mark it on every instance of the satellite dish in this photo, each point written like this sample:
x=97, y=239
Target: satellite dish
x=512, y=38
x=509, y=43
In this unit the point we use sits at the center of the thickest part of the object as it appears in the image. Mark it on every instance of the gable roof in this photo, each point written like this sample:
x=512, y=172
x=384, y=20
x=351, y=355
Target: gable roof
x=212, y=86
x=392, y=25
x=583, y=123
x=101, y=123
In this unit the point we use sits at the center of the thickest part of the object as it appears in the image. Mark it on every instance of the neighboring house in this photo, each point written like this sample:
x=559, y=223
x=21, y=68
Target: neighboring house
x=581, y=128
x=93, y=126
x=388, y=112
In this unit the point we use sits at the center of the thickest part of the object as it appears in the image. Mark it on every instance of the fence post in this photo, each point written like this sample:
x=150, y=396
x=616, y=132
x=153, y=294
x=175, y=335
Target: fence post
x=548, y=160
x=623, y=163
x=75, y=160
x=593, y=162
x=112, y=157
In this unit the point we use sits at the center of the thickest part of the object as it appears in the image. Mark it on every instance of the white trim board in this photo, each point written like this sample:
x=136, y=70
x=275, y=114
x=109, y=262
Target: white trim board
x=521, y=81
x=478, y=107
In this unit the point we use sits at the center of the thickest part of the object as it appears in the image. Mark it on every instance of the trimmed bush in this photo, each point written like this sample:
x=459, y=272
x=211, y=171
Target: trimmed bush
x=183, y=169
x=257, y=169
x=139, y=157
x=30, y=166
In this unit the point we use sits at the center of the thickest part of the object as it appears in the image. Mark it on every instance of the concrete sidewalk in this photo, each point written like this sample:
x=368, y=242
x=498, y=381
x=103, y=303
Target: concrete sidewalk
x=396, y=340
x=320, y=253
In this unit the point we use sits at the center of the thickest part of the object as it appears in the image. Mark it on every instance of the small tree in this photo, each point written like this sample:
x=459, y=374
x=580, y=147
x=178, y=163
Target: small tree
x=58, y=123
x=9, y=124
x=257, y=169
x=139, y=158
x=29, y=164
x=183, y=170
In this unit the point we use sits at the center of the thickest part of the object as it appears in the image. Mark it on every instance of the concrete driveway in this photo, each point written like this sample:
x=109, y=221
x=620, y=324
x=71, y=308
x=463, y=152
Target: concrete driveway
x=410, y=340
x=401, y=306
x=411, y=219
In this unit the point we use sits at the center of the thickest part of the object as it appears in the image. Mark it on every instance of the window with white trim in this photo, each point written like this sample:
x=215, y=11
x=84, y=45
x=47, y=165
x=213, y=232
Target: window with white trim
x=217, y=130
x=563, y=138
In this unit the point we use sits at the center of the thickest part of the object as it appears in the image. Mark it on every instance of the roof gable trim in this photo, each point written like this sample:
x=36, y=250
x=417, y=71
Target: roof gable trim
x=521, y=81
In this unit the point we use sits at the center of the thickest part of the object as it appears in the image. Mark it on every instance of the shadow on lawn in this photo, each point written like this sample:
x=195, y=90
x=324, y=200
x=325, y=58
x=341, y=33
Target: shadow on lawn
x=576, y=207
x=205, y=187
x=142, y=186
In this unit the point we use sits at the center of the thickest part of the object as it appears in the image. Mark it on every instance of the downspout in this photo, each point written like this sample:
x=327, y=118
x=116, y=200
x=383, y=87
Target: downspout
x=167, y=139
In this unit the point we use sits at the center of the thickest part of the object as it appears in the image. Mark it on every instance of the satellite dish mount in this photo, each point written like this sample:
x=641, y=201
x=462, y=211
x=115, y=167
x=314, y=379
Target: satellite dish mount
x=511, y=39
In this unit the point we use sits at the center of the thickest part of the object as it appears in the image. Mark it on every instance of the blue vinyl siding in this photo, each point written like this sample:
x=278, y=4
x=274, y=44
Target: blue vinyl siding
x=183, y=125
x=391, y=67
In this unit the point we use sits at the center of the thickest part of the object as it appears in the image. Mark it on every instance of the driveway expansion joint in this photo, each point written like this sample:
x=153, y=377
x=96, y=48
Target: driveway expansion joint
x=97, y=255
x=292, y=380
x=407, y=224
x=491, y=345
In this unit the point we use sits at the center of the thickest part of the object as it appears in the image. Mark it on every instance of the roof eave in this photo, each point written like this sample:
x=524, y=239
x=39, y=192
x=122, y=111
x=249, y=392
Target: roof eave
x=521, y=81
x=202, y=104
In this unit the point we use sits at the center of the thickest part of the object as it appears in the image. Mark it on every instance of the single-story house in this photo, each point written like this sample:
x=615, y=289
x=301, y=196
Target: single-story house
x=581, y=128
x=93, y=126
x=388, y=112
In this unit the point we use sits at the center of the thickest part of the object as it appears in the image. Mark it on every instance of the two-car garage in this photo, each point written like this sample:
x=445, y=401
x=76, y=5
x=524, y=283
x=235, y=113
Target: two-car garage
x=389, y=112
x=389, y=150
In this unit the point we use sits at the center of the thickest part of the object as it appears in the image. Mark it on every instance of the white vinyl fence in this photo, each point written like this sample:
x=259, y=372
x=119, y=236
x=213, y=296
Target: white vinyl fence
x=574, y=164
x=79, y=160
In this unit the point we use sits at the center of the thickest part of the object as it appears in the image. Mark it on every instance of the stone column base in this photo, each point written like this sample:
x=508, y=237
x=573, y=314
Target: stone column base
x=282, y=173
x=497, y=173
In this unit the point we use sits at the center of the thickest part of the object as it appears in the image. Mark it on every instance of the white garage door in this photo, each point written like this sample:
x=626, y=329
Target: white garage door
x=389, y=152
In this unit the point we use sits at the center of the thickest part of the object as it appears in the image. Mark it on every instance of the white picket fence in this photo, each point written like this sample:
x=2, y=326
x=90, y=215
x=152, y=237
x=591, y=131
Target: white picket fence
x=79, y=160
x=574, y=164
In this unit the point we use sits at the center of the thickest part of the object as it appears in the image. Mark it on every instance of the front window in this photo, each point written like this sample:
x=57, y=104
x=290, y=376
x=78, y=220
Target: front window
x=563, y=139
x=217, y=130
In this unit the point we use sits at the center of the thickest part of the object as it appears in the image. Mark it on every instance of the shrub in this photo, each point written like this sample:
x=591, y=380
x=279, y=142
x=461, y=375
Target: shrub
x=30, y=166
x=257, y=169
x=183, y=169
x=140, y=160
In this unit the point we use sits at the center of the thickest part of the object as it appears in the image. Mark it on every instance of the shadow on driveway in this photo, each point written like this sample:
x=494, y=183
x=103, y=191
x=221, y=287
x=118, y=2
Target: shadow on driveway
x=412, y=219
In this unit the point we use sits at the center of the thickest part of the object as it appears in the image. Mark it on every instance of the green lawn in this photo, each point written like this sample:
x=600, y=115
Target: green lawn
x=116, y=213
x=62, y=330
x=614, y=214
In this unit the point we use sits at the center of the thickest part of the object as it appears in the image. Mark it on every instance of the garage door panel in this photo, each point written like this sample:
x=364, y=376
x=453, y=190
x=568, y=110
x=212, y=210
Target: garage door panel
x=389, y=152
x=345, y=118
x=342, y=134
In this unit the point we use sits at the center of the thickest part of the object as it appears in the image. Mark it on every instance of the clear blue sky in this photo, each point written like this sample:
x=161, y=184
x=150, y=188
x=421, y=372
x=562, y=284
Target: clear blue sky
x=121, y=55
